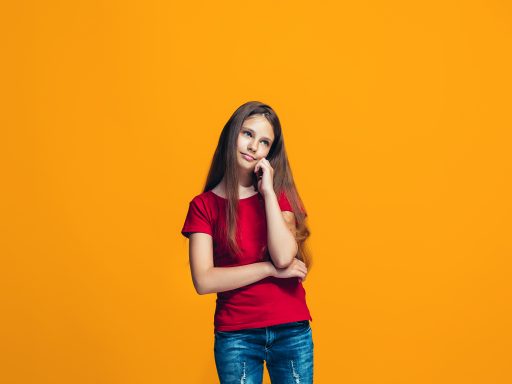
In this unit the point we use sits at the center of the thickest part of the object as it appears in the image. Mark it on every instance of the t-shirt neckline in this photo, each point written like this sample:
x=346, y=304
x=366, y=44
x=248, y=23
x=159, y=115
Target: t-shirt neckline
x=244, y=198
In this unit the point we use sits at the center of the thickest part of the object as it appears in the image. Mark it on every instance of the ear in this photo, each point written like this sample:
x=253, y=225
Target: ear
x=289, y=218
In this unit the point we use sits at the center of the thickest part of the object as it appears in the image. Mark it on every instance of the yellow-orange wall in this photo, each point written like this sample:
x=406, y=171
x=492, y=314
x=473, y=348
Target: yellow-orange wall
x=397, y=121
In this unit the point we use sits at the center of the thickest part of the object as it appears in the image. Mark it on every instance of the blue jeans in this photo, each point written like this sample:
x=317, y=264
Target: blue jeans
x=287, y=349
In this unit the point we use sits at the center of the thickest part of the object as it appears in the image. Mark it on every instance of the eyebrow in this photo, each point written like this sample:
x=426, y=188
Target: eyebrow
x=249, y=129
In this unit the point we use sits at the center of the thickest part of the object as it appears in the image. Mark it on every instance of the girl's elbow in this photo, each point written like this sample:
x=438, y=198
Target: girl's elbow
x=287, y=262
x=201, y=290
x=200, y=287
x=284, y=263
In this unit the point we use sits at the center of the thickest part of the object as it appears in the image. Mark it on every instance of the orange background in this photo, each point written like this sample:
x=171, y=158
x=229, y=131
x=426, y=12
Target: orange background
x=397, y=122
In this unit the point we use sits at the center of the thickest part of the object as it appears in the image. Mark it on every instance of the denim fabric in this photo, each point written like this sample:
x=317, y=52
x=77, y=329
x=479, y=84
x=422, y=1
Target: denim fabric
x=286, y=348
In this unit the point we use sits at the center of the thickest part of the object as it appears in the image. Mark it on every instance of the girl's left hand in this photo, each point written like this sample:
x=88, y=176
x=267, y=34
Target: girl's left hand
x=265, y=182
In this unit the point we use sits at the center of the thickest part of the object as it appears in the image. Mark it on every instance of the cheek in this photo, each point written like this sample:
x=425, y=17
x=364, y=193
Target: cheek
x=242, y=141
x=265, y=151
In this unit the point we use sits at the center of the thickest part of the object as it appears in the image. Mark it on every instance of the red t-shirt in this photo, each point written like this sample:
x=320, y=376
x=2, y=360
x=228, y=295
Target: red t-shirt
x=266, y=302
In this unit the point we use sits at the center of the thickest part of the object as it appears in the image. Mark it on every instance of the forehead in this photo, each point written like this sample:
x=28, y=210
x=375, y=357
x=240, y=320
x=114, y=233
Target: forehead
x=260, y=125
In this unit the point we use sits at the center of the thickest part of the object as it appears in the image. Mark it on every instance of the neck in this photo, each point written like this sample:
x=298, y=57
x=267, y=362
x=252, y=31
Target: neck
x=245, y=185
x=244, y=182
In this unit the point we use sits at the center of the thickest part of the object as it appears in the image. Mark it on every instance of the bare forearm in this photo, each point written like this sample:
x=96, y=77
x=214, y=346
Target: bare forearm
x=220, y=279
x=282, y=245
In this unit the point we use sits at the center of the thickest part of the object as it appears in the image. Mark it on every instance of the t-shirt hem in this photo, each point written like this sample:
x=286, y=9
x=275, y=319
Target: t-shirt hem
x=258, y=324
x=188, y=231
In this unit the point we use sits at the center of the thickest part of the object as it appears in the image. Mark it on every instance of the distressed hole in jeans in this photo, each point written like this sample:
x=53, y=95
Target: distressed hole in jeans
x=244, y=376
x=296, y=376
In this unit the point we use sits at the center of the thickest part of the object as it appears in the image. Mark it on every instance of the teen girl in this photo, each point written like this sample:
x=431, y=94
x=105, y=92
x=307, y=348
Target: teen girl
x=247, y=237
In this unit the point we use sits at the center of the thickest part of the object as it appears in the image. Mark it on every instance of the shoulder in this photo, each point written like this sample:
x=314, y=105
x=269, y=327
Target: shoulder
x=203, y=203
x=204, y=198
x=199, y=216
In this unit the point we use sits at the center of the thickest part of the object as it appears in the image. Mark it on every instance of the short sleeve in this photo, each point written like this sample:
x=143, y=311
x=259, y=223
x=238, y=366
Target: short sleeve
x=285, y=205
x=197, y=219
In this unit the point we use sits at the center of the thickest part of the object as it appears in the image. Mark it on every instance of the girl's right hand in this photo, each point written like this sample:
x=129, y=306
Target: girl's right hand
x=296, y=269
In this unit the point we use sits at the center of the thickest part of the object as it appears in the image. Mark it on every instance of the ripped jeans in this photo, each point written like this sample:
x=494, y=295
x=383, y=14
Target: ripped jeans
x=286, y=348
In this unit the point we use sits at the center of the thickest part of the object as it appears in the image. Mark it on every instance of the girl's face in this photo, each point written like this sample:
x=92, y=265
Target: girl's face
x=254, y=141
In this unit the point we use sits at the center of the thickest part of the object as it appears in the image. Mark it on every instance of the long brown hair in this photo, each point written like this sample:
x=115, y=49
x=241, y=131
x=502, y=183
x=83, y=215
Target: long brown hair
x=224, y=165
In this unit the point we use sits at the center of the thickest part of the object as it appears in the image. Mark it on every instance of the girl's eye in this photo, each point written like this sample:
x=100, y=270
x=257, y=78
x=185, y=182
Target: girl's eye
x=267, y=143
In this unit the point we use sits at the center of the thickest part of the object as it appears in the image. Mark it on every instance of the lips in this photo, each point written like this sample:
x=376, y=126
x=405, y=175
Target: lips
x=247, y=157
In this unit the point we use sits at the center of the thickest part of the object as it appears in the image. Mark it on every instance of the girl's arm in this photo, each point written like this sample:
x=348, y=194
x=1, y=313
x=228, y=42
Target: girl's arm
x=220, y=279
x=282, y=245
x=210, y=279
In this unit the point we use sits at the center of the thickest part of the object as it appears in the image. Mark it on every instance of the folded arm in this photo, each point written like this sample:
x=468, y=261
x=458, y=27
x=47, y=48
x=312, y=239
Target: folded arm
x=210, y=279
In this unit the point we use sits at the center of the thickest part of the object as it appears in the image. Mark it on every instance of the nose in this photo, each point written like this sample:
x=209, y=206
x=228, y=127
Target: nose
x=252, y=146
